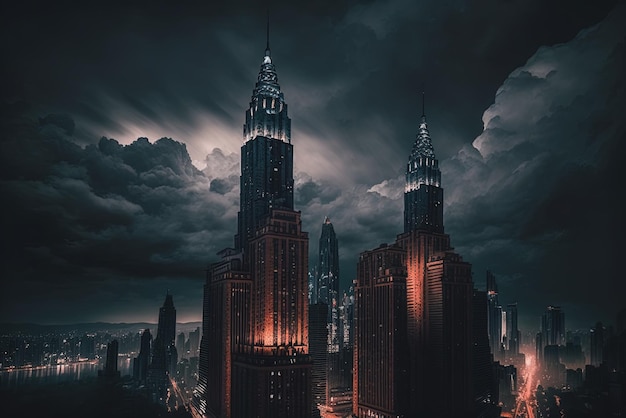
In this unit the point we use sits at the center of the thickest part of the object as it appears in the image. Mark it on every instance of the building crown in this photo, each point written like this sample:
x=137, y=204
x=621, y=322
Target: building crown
x=423, y=167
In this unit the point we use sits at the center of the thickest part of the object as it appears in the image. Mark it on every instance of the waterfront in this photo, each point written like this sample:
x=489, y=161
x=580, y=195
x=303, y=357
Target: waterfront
x=40, y=375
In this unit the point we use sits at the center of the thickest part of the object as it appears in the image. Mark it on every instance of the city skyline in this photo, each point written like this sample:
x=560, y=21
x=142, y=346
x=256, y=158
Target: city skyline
x=101, y=235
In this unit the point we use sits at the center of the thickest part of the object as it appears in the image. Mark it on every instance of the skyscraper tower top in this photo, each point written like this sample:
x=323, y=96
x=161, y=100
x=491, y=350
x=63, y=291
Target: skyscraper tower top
x=423, y=195
x=267, y=115
x=423, y=146
x=266, y=180
x=328, y=265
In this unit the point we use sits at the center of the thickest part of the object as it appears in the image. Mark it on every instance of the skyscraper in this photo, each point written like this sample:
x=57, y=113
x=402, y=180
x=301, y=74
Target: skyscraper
x=254, y=359
x=328, y=265
x=512, y=330
x=553, y=326
x=381, y=384
x=438, y=298
x=164, y=354
x=484, y=379
x=596, y=344
x=318, y=348
x=326, y=287
x=142, y=361
x=439, y=292
x=494, y=315
x=110, y=366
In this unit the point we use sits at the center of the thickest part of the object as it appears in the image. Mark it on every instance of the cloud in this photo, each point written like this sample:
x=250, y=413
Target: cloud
x=154, y=211
x=530, y=197
x=135, y=212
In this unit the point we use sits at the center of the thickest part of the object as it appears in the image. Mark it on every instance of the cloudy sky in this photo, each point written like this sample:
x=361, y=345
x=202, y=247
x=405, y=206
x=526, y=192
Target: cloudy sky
x=524, y=99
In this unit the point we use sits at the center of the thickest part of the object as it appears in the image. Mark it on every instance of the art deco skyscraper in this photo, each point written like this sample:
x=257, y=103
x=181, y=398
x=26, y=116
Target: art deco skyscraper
x=254, y=359
x=266, y=180
x=438, y=300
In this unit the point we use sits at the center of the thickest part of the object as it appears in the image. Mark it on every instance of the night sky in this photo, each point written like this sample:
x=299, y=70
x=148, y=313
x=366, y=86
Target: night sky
x=525, y=102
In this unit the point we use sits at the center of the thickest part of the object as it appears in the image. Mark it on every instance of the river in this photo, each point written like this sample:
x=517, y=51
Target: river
x=42, y=375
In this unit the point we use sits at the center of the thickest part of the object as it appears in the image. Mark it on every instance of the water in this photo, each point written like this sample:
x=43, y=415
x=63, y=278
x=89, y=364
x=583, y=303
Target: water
x=57, y=374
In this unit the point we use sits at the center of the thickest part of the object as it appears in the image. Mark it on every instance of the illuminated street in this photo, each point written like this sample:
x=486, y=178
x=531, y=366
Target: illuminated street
x=176, y=398
x=526, y=403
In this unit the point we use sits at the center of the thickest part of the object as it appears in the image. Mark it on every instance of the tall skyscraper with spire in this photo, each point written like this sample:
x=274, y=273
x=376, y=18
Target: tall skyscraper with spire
x=254, y=359
x=438, y=302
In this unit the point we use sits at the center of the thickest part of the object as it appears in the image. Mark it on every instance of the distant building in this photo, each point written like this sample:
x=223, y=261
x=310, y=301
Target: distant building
x=180, y=345
x=596, y=344
x=484, y=379
x=512, y=330
x=164, y=353
x=164, y=349
x=110, y=367
x=194, y=342
x=142, y=361
x=318, y=349
x=494, y=315
x=553, y=326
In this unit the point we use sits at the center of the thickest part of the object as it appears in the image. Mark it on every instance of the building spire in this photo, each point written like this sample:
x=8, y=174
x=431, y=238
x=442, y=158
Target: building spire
x=267, y=47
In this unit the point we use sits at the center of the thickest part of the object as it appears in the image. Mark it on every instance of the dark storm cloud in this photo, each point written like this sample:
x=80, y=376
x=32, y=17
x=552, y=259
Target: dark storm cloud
x=105, y=212
x=544, y=202
x=141, y=212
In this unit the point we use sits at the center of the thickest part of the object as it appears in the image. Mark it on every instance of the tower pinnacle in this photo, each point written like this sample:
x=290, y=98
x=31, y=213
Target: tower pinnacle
x=267, y=47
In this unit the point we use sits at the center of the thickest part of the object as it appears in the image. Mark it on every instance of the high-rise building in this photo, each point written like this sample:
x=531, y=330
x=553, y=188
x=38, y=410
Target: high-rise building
x=180, y=345
x=164, y=349
x=194, y=342
x=142, y=361
x=494, y=315
x=438, y=299
x=110, y=366
x=326, y=287
x=164, y=353
x=596, y=342
x=254, y=354
x=539, y=348
x=328, y=265
x=318, y=348
x=484, y=380
x=380, y=387
x=512, y=330
x=328, y=281
x=553, y=326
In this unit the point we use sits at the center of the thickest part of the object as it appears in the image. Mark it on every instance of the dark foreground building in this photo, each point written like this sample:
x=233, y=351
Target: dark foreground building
x=254, y=354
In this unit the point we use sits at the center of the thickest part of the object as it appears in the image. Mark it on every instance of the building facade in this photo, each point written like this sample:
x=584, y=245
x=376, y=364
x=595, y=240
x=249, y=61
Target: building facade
x=381, y=373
